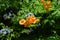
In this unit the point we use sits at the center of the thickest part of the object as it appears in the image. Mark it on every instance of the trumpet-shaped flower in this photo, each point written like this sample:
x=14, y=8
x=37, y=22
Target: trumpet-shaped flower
x=22, y=22
x=46, y=5
x=30, y=19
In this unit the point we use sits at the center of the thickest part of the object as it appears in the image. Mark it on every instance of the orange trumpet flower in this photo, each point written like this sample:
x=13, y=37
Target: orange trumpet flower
x=36, y=21
x=22, y=22
x=43, y=1
x=29, y=20
x=46, y=5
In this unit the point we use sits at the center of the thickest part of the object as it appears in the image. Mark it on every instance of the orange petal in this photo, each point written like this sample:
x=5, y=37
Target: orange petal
x=31, y=20
x=32, y=17
x=48, y=3
x=26, y=24
x=22, y=22
x=42, y=1
x=37, y=20
x=34, y=22
x=46, y=7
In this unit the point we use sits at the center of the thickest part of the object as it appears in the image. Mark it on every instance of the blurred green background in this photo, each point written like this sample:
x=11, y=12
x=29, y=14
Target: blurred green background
x=11, y=11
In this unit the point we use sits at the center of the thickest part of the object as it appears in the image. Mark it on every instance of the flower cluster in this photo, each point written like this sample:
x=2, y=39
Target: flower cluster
x=4, y=31
x=46, y=5
x=31, y=19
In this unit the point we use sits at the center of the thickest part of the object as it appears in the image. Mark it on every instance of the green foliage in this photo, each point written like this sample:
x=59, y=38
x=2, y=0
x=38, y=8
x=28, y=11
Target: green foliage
x=47, y=29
